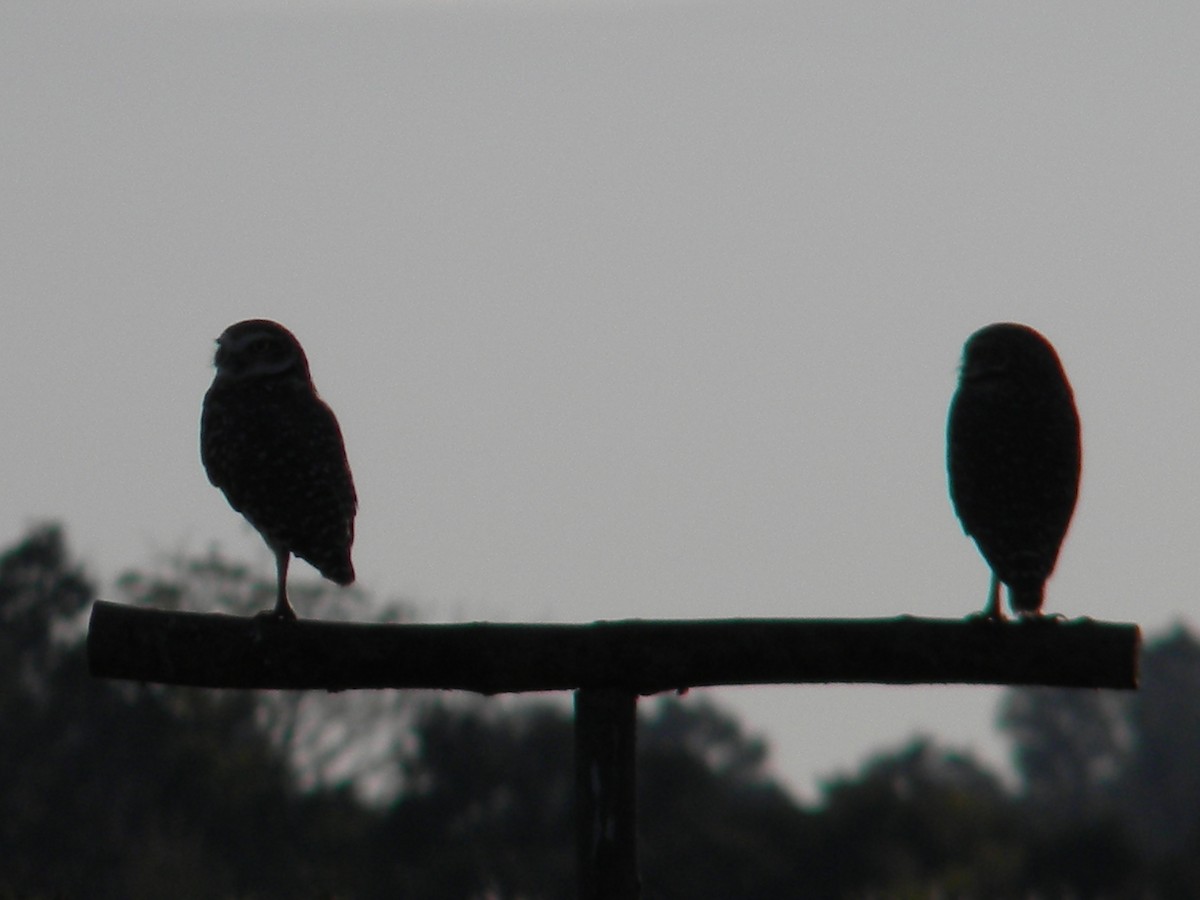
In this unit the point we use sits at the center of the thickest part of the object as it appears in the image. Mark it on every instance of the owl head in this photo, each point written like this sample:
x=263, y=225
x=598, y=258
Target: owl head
x=257, y=349
x=1010, y=353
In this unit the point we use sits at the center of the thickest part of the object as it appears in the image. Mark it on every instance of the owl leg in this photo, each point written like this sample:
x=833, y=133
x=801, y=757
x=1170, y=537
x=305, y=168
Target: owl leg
x=992, y=611
x=283, y=609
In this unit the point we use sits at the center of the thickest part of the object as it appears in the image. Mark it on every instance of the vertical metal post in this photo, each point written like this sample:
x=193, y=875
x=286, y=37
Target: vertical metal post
x=606, y=794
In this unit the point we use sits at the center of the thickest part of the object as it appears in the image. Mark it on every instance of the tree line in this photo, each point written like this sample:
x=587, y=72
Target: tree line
x=113, y=790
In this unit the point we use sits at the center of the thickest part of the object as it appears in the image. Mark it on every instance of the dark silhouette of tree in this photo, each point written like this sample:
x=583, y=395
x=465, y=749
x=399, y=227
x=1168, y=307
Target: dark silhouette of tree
x=1159, y=792
x=124, y=791
x=148, y=791
x=714, y=823
x=923, y=821
x=352, y=739
x=41, y=596
x=1110, y=780
x=486, y=809
x=117, y=790
x=1069, y=747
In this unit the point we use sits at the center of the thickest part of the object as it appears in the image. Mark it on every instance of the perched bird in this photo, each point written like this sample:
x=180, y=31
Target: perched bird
x=1013, y=456
x=275, y=449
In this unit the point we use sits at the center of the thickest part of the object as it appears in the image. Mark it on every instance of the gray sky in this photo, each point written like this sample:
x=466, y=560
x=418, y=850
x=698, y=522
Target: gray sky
x=626, y=309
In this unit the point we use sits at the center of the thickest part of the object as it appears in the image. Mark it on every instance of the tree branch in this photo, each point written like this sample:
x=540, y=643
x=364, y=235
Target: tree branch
x=639, y=656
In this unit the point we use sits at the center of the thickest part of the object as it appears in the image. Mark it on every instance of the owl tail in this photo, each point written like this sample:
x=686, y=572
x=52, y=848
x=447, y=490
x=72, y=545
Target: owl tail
x=1026, y=599
x=337, y=569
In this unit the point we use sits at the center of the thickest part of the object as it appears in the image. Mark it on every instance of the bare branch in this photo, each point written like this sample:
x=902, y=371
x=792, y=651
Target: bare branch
x=638, y=656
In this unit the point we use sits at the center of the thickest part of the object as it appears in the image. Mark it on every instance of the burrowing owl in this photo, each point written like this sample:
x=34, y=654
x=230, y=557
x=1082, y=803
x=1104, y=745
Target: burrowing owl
x=274, y=447
x=1013, y=458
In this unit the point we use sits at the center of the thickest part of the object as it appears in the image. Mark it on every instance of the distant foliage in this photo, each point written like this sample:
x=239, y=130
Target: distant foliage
x=1111, y=778
x=353, y=739
x=120, y=791
x=114, y=790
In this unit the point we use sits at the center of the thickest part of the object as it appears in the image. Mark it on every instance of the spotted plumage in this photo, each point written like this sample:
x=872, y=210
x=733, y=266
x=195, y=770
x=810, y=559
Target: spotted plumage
x=1013, y=456
x=275, y=449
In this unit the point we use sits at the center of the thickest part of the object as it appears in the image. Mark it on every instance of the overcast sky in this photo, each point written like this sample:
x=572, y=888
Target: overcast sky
x=626, y=309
